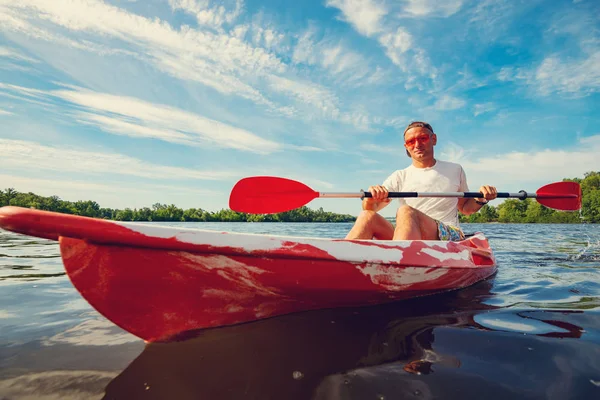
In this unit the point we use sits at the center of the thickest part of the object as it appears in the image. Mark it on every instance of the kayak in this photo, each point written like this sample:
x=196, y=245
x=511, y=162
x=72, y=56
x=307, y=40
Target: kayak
x=159, y=282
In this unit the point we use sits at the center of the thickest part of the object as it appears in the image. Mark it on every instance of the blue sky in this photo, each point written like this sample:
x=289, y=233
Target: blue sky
x=130, y=103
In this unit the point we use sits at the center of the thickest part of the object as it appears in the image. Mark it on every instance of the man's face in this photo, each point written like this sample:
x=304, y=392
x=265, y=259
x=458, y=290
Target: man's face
x=419, y=143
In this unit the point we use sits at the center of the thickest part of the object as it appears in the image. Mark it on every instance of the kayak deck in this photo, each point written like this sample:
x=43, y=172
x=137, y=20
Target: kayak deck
x=158, y=282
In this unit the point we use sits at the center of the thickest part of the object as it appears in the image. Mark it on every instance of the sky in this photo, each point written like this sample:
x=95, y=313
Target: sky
x=130, y=103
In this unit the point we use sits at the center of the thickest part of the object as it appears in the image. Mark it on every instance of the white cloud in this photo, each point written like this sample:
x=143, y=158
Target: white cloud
x=396, y=44
x=367, y=18
x=121, y=127
x=448, y=103
x=307, y=92
x=25, y=155
x=535, y=166
x=397, y=122
x=593, y=141
x=4, y=112
x=360, y=120
x=490, y=12
x=483, y=108
x=576, y=78
x=382, y=149
x=42, y=103
x=206, y=14
x=221, y=60
x=216, y=60
x=423, y=8
x=378, y=76
x=571, y=69
x=508, y=74
x=400, y=40
x=304, y=51
x=267, y=37
x=322, y=99
x=365, y=15
x=15, y=55
x=10, y=66
x=555, y=74
x=452, y=152
x=138, y=118
x=578, y=22
x=304, y=148
x=369, y=161
x=400, y=49
x=340, y=62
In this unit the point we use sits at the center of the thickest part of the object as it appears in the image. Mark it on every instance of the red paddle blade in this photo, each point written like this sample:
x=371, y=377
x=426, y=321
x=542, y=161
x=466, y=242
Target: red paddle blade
x=269, y=195
x=564, y=196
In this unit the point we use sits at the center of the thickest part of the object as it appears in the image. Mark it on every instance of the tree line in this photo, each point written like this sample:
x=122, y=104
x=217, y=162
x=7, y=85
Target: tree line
x=511, y=210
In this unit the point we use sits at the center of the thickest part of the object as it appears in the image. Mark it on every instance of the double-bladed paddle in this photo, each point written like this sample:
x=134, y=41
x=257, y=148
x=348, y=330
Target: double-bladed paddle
x=269, y=194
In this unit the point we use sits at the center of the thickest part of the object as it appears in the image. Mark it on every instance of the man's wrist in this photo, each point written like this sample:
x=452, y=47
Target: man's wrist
x=481, y=203
x=369, y=206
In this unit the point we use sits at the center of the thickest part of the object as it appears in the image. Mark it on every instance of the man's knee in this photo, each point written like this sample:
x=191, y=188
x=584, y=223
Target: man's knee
x=366, y=215
x=372, y=219
x=406, y=212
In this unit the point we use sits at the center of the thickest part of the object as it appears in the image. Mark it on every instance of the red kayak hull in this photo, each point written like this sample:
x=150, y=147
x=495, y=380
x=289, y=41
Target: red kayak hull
x=159, y=282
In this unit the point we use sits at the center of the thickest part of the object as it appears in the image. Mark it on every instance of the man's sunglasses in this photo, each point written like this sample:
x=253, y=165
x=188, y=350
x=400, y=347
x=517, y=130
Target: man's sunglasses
x=421, y=138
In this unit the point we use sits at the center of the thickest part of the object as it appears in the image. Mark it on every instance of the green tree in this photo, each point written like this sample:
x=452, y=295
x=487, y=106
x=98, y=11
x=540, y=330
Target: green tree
x=8, y=195
x=143, y=214
x=538, y=213
x=590, y=182
x=124, y=215
x=513, y=210
x=591, y=206
x=87, y=208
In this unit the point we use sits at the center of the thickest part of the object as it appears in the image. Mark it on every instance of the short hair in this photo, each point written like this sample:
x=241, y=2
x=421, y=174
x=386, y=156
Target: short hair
x=417, y=124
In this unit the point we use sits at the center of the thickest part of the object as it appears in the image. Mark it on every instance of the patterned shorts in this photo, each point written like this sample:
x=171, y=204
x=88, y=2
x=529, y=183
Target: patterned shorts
x=449, y=232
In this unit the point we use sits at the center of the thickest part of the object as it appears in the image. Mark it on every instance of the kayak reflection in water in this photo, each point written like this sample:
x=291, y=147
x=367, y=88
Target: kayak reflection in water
x=420, y=218
x=312, y=355
x=431, y=347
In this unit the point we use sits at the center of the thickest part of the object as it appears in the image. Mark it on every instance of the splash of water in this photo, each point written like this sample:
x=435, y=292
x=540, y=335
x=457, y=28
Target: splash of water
x=590, y=252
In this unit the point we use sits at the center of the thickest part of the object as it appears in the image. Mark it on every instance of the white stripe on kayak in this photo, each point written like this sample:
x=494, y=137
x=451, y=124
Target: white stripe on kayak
x=464, y=255
x=339, y=249
x=392, y=278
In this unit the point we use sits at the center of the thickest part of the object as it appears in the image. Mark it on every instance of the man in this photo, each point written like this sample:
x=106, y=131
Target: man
x=420, y=218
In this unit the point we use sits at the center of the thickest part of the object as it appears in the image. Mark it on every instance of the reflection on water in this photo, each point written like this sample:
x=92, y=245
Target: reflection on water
x=430, y=347
x=531, y=331
x=54, y=385
x=299, y=355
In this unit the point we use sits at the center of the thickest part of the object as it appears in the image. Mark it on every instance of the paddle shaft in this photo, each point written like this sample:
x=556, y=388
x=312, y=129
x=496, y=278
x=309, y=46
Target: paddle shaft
x=521, y=195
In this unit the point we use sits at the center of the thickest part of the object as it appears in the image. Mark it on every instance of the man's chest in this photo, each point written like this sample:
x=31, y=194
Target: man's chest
x=431, y=182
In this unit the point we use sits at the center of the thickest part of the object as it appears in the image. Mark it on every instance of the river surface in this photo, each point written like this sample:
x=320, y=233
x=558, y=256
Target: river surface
x=532, y=331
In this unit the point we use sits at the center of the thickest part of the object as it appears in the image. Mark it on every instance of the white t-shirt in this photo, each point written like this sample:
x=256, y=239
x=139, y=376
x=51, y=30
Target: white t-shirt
x=442, y=177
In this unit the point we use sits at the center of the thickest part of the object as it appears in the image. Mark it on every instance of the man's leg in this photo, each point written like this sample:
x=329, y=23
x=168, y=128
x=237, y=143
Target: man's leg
x=370, y=225
x=412, y=224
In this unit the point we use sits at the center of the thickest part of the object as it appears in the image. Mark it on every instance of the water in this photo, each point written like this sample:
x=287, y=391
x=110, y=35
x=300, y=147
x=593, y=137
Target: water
x=531, y=331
